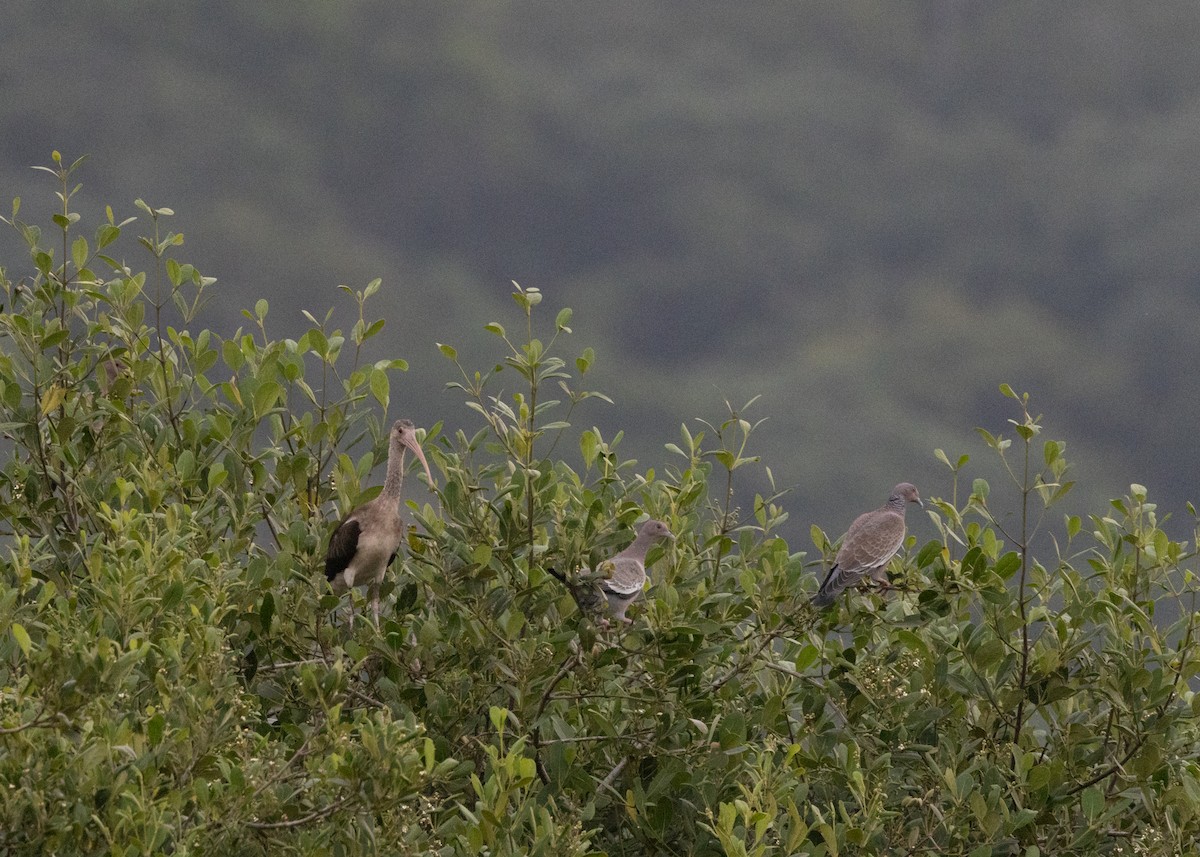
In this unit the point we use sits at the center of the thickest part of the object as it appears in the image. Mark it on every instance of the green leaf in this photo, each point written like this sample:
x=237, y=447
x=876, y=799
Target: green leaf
x=22, y=637
x=79, y=252
x=217, y=474
x=106, y=235
x=928, y=553
x=155, y=727
x=495, y=327
x=185, y=463
x=173, y=595
x=448, y=350
x=266, y=611
x=563, y=319
x=1008, y=564
x=260, y=309
x=318, y=343
x=588, y=446
x=1092, y=802
x=52, y=398
x=380, y=386
x=807, y=657
x=232, y=355
x=1007, y=391
x=265, y=397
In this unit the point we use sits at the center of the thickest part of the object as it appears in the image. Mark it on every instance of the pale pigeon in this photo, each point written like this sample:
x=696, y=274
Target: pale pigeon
x=617, y=582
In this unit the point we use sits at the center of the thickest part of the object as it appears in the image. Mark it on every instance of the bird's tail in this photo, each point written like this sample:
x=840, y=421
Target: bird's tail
x=587, y=595
x=823, y=600
x=831, y=587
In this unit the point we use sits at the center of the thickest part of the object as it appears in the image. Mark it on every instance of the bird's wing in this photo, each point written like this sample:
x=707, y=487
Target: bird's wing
x=342, y=546
x=871, y=541
x=627, y=578
x=838, y=580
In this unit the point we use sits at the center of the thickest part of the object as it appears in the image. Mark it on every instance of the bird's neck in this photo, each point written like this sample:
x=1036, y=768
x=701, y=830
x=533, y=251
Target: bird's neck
x=395, y=474
x=640, y=546
x=897, y=504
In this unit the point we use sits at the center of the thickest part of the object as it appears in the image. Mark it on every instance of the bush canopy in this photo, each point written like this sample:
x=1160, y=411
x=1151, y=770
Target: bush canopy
x=174, y=679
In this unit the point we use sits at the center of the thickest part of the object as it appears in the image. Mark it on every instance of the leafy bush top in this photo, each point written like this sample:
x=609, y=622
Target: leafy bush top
x=170, y=681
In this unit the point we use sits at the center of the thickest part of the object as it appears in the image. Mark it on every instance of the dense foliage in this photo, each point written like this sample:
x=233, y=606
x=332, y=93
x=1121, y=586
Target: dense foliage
x=171, y=680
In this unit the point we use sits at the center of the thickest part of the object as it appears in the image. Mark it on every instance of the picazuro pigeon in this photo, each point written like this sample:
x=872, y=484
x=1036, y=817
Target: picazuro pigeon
x=870, y=543
x=617, y=582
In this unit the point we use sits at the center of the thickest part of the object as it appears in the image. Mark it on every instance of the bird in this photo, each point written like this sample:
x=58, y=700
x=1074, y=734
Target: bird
x=366, y=541
x=870, y=543
x=616, y=582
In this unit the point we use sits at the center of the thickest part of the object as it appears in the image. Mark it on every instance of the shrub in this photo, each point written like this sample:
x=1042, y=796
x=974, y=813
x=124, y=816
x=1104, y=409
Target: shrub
x=171, y=682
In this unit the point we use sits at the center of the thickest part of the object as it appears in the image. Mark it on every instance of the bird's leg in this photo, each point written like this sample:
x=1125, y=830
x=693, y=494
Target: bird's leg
x=375, y=603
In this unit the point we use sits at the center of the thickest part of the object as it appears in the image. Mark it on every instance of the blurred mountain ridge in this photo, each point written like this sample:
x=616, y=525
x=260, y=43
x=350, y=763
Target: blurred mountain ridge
x=871, y=215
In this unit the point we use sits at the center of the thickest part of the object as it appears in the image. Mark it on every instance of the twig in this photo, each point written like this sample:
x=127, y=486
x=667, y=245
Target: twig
x=287, y=665
x=611, y=777
x=536, y=732
x=315, y=815
x=370, y=700
x=1111, y=769
x=39, y=719
x=748, y=660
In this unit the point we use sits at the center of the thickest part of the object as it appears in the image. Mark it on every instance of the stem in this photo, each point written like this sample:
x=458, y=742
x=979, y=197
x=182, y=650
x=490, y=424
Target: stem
x=162, y=348
x=535, y=734
x=1021, y=600
x=533, y=391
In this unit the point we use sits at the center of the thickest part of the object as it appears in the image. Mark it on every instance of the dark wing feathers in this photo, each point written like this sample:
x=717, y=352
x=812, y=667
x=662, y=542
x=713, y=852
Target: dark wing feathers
x=342, y=546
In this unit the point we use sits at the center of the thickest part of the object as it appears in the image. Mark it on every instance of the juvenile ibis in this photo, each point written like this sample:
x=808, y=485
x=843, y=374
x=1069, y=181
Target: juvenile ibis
x=617, y=582
x=870, y=543
x=368, y=539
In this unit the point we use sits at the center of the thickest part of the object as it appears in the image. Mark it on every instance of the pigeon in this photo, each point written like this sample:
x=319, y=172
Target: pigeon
x=617, y=582
x=870, y=543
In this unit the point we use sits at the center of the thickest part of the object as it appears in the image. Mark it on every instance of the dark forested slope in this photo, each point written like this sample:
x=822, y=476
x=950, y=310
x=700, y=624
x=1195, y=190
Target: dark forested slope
x=891, y=210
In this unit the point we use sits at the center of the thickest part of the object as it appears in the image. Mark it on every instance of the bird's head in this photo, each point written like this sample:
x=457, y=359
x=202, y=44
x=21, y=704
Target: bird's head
x=906, y=492
x=404, y=435
x=655, y=531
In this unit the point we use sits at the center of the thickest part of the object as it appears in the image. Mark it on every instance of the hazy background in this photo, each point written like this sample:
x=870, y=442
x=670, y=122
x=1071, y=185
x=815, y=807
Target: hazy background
x=872, y=214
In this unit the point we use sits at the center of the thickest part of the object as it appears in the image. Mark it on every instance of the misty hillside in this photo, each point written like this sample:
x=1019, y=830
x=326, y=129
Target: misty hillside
x=871, y=216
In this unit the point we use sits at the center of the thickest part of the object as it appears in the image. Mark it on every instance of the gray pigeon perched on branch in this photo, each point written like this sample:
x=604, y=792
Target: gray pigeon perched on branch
x=617, y=582
x=870, y=543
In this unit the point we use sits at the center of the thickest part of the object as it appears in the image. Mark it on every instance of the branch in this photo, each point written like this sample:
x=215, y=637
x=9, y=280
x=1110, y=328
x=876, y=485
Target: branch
x=315, y=815
x=611, y=777
x=1111, y=769
x=536, y=732
x=39, y=719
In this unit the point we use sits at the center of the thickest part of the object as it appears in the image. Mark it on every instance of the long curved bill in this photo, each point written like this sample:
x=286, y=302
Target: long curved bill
x=410, y=441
